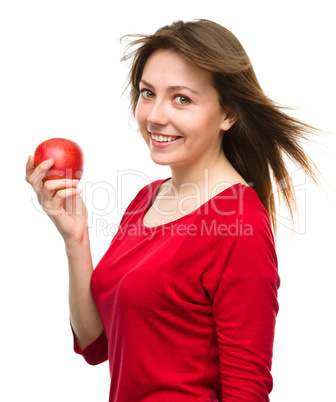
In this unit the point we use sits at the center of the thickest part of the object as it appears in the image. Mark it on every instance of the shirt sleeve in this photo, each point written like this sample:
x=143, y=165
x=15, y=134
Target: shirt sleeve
x=244, y=309
x=96, y=352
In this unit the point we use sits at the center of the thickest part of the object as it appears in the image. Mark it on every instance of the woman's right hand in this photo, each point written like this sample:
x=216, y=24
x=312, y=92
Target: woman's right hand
x=61, y=201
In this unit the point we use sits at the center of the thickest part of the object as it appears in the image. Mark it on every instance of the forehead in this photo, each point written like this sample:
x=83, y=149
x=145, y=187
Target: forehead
x=169, y=67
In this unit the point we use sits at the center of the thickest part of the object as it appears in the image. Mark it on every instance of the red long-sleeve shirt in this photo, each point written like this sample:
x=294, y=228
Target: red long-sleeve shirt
x=189, y=307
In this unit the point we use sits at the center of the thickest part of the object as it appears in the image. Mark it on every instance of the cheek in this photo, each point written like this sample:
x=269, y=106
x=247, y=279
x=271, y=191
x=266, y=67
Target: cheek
x=137, y=114
x=141, y=116
x=141, y=119
x=202, y=122
x=211, y=120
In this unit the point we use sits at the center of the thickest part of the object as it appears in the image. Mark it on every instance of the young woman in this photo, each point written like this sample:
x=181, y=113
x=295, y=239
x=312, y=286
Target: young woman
x=184, y=302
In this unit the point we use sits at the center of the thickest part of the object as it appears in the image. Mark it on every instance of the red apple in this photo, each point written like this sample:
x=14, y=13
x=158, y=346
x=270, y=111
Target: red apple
x=67, y=155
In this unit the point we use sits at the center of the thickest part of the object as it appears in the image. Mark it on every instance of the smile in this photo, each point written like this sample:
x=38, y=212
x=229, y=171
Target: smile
x=162, y=138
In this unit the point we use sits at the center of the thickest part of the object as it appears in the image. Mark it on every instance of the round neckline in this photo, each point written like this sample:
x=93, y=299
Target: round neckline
x=154, y=194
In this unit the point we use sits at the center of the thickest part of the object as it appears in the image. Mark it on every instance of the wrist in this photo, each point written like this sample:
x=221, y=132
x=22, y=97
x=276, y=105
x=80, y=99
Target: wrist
x=72, y=244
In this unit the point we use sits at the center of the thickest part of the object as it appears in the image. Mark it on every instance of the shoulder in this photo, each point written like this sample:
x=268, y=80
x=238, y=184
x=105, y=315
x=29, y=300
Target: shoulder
x=239, y=228
x=143, y=197
x=242, y=240
x=240, y=203
x=149, y=190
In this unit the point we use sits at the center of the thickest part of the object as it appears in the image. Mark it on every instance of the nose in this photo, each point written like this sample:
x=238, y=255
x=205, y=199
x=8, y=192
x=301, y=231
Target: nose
x=158, y=114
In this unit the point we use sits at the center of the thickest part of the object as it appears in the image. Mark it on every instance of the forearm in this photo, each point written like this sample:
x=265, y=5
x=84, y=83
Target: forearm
x=84, y=316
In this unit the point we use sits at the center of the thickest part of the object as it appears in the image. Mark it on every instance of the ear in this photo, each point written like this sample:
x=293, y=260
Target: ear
x=229, y=119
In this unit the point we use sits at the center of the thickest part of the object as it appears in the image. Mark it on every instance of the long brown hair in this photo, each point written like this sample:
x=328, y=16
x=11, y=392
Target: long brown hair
x=263, y=133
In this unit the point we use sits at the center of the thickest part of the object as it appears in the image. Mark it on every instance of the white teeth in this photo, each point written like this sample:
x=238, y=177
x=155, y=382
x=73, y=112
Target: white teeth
x=161, y=138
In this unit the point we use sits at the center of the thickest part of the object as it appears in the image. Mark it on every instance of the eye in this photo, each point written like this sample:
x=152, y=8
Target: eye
x=147, y=94
x=182, y=100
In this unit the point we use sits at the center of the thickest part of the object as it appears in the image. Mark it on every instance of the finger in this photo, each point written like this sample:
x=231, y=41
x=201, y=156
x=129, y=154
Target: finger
x=39, y=172
x=60, y=184
x=56, y=206
x=29, y=167
x=51, y=187
x=67, y=192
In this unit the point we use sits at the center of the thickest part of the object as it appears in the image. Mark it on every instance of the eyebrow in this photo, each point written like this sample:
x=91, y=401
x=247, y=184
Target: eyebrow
x=172, y=88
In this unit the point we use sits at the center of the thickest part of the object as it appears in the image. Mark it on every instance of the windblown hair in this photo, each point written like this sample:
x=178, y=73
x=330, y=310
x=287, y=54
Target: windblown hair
x=263, y=133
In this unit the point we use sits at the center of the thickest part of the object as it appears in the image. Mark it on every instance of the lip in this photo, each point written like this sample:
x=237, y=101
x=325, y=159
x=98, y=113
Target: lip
x=163, y=144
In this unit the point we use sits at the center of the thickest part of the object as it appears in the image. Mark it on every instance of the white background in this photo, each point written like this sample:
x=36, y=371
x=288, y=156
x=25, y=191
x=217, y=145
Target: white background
x=61, y=76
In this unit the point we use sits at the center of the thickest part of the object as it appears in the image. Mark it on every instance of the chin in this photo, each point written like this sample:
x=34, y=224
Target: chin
x=161, y=162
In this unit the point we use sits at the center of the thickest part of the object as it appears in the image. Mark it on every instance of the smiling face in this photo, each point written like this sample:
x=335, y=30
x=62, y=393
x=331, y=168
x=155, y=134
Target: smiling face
x=179, y=105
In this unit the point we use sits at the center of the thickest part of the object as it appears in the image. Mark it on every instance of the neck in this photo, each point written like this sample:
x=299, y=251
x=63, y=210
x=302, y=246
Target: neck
x=204, y=178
